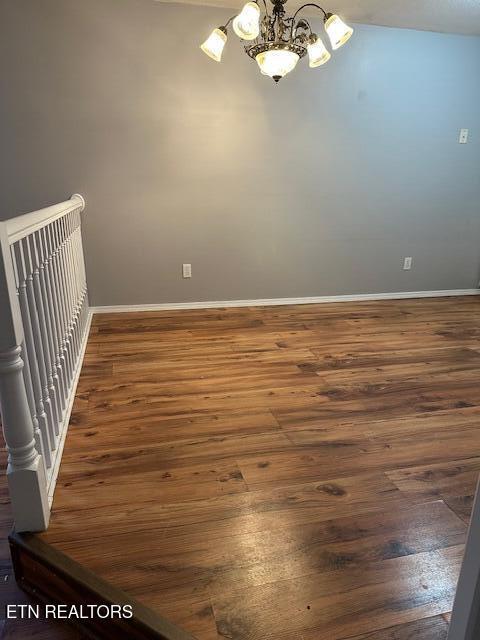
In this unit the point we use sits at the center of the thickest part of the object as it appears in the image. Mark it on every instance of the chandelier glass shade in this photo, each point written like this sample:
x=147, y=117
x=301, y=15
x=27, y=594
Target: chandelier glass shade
x=214, y=44
x=338, y=31
x=276, y=63
x=318, y=53
x=247, y=24
x=276, y=41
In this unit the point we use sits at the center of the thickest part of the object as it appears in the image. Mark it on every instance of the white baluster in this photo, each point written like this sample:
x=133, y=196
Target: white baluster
x=38, y=240
x=42, y=444
x=53, y=314
x=65, y=295
x=71, y=288
x=30, y=353
x=78, y=326
x=75, y=287
x=37, y=335
x=54, y=288
x=56, y=262
x=45, y=330
x=82, y=274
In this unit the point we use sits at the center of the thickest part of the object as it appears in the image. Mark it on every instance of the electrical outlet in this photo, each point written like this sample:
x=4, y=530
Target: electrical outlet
x=187, y=270
x=463, y=137
x=407, y=264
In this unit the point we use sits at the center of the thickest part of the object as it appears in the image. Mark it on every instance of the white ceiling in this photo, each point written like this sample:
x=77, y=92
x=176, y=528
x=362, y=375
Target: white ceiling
x=449, y=16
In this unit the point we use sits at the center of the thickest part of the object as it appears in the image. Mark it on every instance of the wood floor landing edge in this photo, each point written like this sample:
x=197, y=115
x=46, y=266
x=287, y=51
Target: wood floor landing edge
x=53, y=578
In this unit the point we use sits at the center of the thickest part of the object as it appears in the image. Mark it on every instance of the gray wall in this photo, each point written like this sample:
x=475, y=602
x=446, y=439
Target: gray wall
x=318, y=185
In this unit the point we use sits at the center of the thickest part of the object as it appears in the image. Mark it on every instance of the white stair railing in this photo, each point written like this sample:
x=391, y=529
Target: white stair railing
x=44, y=323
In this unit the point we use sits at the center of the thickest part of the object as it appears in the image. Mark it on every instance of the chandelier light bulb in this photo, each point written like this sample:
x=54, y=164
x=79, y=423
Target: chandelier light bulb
x=318, y=54
x=276, y=63
x=247, y=24
x=338, y=31
x=214, y=44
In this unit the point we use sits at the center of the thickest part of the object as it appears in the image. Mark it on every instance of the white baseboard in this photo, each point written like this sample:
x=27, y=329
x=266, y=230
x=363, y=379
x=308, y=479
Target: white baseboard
x=66, y=420
x=270, y=302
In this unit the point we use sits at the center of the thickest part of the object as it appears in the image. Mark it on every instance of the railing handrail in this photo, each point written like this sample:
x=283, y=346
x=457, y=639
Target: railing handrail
x=21, y=226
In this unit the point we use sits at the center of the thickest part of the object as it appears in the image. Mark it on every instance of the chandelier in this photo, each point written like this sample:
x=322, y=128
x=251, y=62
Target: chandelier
x=277, y=42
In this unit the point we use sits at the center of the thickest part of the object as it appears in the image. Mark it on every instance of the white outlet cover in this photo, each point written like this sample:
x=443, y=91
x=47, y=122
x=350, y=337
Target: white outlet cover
x=463, y=137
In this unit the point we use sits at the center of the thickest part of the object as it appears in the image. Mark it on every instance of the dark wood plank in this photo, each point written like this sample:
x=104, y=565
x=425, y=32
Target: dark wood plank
x=426, y=629
x=248, y=512
x=454, y=481
x=343, y=602
x=244, y=560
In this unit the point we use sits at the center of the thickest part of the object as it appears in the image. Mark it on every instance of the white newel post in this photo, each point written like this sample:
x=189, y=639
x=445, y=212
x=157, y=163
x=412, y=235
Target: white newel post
x=26, y=470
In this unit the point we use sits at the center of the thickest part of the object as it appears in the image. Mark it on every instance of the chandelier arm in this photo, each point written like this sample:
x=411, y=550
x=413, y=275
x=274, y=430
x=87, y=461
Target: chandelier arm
x=265, y=5
x=299, y=25
x=229, y=21
x=308, y=4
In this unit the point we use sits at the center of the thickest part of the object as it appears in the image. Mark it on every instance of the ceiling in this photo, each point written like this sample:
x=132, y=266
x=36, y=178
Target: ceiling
x=449, y=16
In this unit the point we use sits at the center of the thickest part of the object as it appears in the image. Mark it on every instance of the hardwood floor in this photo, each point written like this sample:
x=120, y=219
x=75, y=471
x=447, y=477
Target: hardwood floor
x=287, y=473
